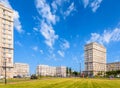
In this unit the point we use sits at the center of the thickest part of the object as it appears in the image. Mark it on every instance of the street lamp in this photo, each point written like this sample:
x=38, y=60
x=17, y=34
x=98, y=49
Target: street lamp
x=5, y=67
x=5, y=73
x=80, y=68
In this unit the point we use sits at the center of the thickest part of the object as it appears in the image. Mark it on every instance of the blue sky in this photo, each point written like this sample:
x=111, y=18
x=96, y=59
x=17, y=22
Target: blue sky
x=54, y=32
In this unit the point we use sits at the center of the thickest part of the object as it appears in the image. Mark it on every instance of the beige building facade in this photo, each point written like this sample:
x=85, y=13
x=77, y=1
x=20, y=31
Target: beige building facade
x=95, y=58
x=61, y=71
x=113, y=66
x=6, y=41
x=45, y=70
x=21, y=69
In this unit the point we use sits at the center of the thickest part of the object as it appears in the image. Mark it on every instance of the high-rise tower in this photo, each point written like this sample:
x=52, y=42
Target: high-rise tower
x=6, y=41
x=95, y=58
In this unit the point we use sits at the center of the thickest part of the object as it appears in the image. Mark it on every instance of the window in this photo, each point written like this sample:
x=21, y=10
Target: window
x=9, y=69
x=9, y=51
x=9, y=45
x=3, y=25
x=3, y=44
x=4, y=49
x=4, y=39
x=9, y=60
x=4, y=53
x=4, y=30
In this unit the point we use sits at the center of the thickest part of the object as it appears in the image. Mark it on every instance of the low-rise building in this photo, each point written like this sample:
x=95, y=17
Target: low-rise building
x=113, y=66
x=61, y=71
x=21, y=69
x=45, y=70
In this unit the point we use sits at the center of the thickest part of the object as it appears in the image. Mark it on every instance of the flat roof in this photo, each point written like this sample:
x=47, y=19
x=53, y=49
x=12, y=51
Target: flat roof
x=5, y=7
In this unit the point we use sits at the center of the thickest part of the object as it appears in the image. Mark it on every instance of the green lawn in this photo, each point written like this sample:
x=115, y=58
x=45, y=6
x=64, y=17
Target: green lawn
x=64, y=83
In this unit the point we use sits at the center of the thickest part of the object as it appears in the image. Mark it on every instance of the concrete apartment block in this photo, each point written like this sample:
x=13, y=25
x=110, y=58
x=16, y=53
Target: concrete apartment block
x=6, y=41
x=45, y=70
x=95, y=58
x=61, y=71
x=113, y=66
x=21, y=69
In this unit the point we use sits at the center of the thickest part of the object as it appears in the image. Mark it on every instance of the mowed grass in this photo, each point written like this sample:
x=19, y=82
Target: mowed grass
x=65, y=83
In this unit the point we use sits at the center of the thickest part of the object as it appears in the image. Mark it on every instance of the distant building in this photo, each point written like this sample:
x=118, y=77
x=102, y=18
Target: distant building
x=6, y=41
x=45, y=70
x=95, y=58
x=61, y=71
x=21, y=69
x=113, y=66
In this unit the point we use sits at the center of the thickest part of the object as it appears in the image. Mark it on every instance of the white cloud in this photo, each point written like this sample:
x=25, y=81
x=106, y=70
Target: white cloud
x=57, y=6
x=85, y=2
x=57, y=3
x=69, y=10
x=17, y=23
x=54, y=6
x=18, y=43
x=45, y=11
x=61, y=53
x=35, y=48
x=65, y=44
x=48, y=20
x=107, y=36
x=48, y=33
x=94, y=37
x=41, y=51
x=35, y=29
x=95, y=5
x=52, y=56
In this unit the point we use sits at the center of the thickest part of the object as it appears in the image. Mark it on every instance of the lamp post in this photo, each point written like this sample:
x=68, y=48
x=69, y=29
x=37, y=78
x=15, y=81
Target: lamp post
x=80, y=68
x=5, y=73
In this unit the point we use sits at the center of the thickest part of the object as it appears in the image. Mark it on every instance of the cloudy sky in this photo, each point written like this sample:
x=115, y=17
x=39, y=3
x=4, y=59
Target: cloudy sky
x=54, y=32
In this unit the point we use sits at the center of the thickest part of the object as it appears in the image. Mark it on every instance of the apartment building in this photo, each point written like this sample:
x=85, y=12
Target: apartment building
x=45, y=70
x=61, y=71
x=113, y=66
x=6, y=41
x=95, y=58
x=21, y=69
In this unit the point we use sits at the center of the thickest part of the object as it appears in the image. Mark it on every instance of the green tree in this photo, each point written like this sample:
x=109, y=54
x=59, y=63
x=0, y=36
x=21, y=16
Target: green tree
x=67, y=71
x=70, y=71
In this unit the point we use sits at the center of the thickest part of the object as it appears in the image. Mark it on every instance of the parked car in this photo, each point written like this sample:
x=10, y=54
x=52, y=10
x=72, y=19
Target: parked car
x=18, y=76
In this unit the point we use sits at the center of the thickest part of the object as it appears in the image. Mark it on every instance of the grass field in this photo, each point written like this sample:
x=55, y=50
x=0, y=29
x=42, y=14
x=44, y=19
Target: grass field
x=64, y=83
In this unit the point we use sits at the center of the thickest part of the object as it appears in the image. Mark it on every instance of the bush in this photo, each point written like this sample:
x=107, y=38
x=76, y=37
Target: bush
x=34, y=77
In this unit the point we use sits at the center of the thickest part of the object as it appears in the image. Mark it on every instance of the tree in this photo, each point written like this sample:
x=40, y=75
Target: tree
x=113, y=73
x=34, y=76
x=75, y=73
x=70, y=71
x=67, y=71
